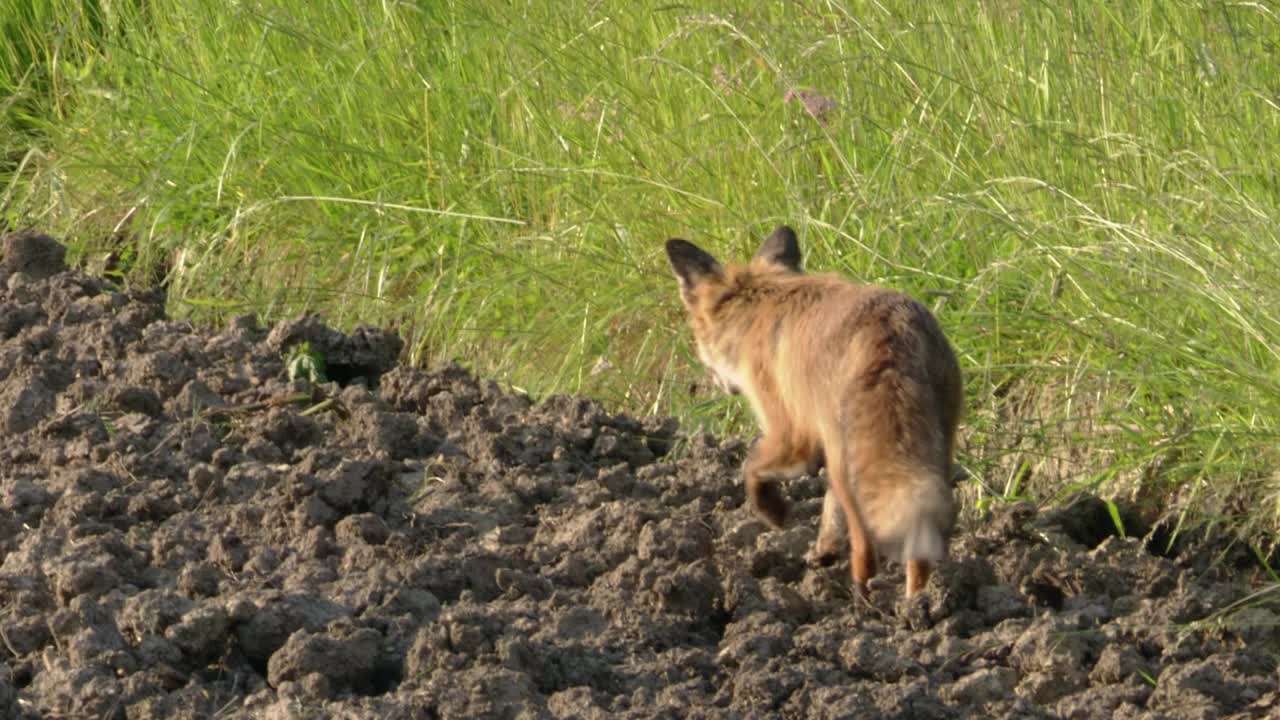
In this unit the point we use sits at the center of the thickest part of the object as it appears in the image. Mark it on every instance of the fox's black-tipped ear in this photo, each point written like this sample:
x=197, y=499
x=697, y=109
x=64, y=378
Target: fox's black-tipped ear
x=781, y=248
x=690, y=263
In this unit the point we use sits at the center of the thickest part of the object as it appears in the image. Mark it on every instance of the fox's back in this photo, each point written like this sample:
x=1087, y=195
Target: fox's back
x=867, y=358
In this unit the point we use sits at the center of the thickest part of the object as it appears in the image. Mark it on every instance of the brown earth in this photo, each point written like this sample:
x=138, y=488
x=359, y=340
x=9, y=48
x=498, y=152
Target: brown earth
x=184, y=533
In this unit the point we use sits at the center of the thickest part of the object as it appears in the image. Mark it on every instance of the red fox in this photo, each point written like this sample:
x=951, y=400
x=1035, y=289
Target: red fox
x=858, y=377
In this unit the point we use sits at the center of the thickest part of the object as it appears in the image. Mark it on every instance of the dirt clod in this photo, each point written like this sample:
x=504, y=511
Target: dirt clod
x=33, y=254
x=187, y=532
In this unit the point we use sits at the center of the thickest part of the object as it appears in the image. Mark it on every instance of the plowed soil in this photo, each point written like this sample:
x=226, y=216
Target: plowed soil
x=186, y=533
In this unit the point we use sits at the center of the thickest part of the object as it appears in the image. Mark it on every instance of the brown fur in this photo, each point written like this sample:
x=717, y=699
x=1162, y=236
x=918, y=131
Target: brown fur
x=859, y=377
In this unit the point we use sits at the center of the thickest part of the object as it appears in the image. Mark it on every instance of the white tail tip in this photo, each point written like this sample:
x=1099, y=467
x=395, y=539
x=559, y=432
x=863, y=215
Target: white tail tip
x=923, y=542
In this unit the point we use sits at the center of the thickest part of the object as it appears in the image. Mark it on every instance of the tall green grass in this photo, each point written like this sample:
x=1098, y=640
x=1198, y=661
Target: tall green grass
x=1086, y=193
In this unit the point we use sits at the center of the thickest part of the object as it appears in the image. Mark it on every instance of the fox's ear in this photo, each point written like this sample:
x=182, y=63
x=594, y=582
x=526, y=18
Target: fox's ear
x=781, y=248
x=691, y=263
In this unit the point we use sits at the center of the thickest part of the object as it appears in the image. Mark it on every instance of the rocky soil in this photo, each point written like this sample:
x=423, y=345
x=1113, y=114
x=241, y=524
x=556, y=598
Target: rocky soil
x=185, y=532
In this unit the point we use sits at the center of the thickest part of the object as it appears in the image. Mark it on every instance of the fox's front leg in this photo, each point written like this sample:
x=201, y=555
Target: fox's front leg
x=831, y=530
x=770, y=461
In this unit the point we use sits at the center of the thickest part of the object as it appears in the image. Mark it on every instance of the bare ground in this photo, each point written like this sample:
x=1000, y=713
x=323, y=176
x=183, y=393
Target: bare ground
x=184, y=533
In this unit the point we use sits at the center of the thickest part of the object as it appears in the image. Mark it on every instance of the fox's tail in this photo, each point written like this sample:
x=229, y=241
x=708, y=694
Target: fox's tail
x=924, y=537
x=909, y=510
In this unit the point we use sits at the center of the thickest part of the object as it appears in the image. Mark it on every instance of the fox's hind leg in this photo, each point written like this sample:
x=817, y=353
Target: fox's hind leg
x=917, y=575
x=862, y=550
x=772, y=460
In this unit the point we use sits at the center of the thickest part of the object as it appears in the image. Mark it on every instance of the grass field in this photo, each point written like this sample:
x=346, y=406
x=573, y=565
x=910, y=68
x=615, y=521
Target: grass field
x=1085, y=192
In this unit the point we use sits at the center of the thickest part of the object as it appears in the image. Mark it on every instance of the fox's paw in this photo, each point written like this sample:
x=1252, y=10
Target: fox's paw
x=822, y=555
x=767, y=499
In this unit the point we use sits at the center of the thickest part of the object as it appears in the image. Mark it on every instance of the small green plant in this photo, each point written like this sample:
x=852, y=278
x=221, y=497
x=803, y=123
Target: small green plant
x=1116, y=520
x=304, y=364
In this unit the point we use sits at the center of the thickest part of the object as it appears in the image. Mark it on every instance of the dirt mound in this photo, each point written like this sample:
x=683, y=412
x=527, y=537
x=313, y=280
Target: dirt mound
x=186, y=533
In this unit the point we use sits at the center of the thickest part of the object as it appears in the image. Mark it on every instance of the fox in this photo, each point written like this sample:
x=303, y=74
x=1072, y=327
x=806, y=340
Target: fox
x=858, y=378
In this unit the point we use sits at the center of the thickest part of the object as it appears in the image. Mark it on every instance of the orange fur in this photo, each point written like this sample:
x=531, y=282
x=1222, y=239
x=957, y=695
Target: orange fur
x=858, y=376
